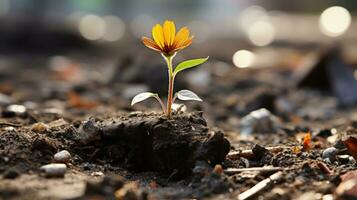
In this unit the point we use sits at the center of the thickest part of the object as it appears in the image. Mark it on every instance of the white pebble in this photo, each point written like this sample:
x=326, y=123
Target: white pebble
x=97, y=174
x=54, y=170
x=62, y=157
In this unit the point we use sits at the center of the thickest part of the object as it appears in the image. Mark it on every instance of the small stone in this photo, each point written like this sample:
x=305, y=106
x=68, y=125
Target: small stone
x=97, y=174
x=54, y=170
x=329, y=153
x=14, y=110
x=259, y=151
x=259, y=121
x=88, y=131
x=62, y=157
x=11, y=174
x=343, y=159
x=39, y=127
x=9, y=128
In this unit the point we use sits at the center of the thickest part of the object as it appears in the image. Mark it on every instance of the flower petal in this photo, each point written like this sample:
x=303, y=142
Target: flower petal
x=158, y=35
x=181, y=36
x=169, y=32
x=184, y=44
x=150, y=44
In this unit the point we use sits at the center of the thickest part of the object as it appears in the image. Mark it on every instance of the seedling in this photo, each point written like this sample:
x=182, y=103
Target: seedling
x=167, y=42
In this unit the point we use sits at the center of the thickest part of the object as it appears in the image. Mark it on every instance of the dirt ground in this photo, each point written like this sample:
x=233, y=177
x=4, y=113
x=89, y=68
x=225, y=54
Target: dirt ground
x=50, y=104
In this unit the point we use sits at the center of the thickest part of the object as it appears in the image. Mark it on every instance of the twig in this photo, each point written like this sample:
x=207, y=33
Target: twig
x=231, y=171
x=9, y=124
x=261, y=186
x=249, y=153
x=324, y=168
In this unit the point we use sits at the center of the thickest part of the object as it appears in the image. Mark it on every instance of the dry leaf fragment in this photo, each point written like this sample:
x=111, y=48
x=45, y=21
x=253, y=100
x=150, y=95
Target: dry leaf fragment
x=351, y=144
x=74, y=100
x=307, y=142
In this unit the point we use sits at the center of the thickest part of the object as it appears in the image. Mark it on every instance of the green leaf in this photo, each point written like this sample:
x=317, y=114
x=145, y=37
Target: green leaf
x=141, y=97
x=189, y=64
x=187, y=95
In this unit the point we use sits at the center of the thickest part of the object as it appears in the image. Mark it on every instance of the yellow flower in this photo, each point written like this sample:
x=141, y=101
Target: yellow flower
x=166, y=40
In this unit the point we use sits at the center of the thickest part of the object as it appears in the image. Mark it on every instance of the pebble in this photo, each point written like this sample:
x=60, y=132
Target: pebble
x=10, y=128
x=97, y=174
x=259, y=151
x=62, y=157
x=344, y=159
x=14, y=110
x=54, y=170
x=88, y=131
x=261, y=120
x=330, y=154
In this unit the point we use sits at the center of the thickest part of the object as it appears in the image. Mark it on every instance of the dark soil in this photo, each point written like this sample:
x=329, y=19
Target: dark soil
x=117, y=152
x=151, y=142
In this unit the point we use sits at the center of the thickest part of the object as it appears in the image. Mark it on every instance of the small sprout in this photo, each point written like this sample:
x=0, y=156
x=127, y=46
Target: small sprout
x=187, y=95
x=168, y=43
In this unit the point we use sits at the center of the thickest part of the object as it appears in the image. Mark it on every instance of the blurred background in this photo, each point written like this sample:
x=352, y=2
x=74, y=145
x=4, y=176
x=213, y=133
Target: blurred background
x=50, y=27
x=68, y=49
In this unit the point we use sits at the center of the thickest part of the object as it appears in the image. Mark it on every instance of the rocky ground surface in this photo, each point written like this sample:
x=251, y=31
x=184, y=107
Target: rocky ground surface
x=67, y=131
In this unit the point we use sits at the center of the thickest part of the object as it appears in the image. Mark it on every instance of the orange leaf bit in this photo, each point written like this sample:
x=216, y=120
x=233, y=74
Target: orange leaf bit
x=307, y=142
x=351, y=144
x=76, y=101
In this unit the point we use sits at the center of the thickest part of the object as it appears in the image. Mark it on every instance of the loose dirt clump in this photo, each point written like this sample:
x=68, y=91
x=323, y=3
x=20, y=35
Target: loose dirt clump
x=152, y=142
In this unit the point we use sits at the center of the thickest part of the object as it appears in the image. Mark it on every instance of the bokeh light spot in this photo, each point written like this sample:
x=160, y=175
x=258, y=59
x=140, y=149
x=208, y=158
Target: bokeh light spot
x=261, y=33
x=243, y=58
x=334, y=21
x=114, y=28
x=92, y=27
